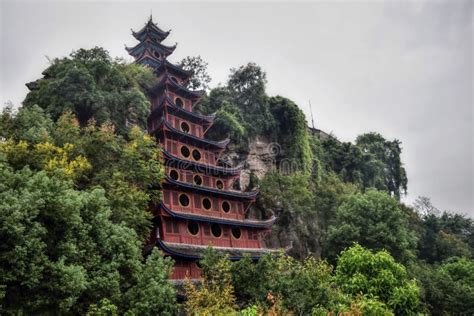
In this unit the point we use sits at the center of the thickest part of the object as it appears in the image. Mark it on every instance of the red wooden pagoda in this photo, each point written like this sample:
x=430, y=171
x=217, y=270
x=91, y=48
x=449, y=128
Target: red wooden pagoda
x=199, y=206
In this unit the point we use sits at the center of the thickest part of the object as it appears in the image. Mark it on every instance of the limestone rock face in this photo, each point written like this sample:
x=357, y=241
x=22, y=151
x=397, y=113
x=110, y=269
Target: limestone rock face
x=260, y=160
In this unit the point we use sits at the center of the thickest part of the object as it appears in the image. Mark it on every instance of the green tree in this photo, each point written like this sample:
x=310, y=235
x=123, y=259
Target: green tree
x=200, y=79
x=215, y=295
x=291, y=133
x=93, y=86
x=445, y=236
x=374, y=220
x=377, y=275
x=153, y=294
x=73, y=208
x=387, y=152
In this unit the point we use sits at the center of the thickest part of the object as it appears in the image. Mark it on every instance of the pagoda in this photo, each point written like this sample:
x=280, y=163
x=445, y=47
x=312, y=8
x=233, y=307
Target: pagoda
x=199, y=205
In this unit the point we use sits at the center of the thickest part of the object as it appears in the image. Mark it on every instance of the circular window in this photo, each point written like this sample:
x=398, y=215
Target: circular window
x=197, y=180
x=193, y=228
x=179, y=102
x=174, y=175
x=216, y=230
x=184, y=127
x=196, y=155
x=236, y=233
x=206, y=203
x=219, y=184
x=185, y=151
x=157, y=55
x=174, y=79
x=198, y=264
x=226, y=206
x=184, y=200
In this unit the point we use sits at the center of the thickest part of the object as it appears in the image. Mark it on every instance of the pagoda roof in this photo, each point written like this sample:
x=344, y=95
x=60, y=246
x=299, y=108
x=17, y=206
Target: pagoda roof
x=146, y=60
x=151, y=30
x=219, y=220
x=192, y=116
x=139, y=50
x=166, y=65
x=191, y=251
x=166, y=80
x=202, y=141
x=188, y=164
x=230, y=194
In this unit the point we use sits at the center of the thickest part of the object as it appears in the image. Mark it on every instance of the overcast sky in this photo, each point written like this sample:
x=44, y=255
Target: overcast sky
x=401, y=69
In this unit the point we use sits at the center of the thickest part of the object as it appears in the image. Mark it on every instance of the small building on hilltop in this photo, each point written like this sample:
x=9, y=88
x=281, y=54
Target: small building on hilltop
x=199, y=206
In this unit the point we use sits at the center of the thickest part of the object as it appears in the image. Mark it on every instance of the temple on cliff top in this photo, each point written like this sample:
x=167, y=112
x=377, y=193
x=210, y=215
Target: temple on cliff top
x=199, y=206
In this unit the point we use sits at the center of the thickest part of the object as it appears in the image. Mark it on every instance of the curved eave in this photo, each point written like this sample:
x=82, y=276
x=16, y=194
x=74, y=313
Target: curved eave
x=202, y=141
x=218, y=220
x=194, y=117
x=175, y=87
x=151, y=28
x=199, y=166
x=141, y=47
x=166, y=65
x=191, y=187
x=148, y=61
x=179, y=250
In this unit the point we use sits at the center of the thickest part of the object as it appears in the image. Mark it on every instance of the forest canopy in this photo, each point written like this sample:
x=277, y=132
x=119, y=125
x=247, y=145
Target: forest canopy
x=78, y=171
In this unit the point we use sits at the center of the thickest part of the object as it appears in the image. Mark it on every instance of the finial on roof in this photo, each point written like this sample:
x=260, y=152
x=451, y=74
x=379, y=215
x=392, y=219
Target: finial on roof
x=151, y=15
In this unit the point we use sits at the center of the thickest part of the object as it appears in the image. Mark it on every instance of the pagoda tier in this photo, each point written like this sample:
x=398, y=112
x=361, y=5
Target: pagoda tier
x=152, y=49
x=173, y=70
x=168, y=83
x=185, y=164
x=152, y=31
x=231, y=194
x=175, y=130
x=199, y=206
x=167, y=108
x=217, y=218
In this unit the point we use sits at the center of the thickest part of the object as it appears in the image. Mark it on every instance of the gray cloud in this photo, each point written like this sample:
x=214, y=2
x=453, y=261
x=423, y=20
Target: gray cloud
x=402, y=69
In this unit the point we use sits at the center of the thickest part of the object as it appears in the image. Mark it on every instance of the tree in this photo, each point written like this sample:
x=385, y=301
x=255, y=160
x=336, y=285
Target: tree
x=377, y=275
x=291, y=133
x=374, y=220
x=200, y=79
x=215, y=295
x=93, y=86
x=246, y=86
x=73, y=214
x=153, y=294
x=291, y=199
x=388, y=152
x=448, y=235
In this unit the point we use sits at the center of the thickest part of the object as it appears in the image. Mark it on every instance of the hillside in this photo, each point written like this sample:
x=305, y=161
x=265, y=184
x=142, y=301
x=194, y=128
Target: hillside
x=78, y=172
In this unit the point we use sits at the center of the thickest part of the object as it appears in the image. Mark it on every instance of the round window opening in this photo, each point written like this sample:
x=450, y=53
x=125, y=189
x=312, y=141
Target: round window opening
x=185, y=127
x=226, y=206
x=196, y=155
x=198, y=264
x=206, y=203
x=174, y=175
x=184, y=200
x=216, y=230
x=219, y=184
x=174, y=79
x=179, y=102
x=185, y=151
x=193, y=228
x=236, y=232
x=197, y=180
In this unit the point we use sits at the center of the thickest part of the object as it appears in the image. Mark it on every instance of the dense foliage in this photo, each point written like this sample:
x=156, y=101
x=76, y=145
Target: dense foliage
x=77, y=175
x=73, y=217
x=93, y=86
x=363, y=282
